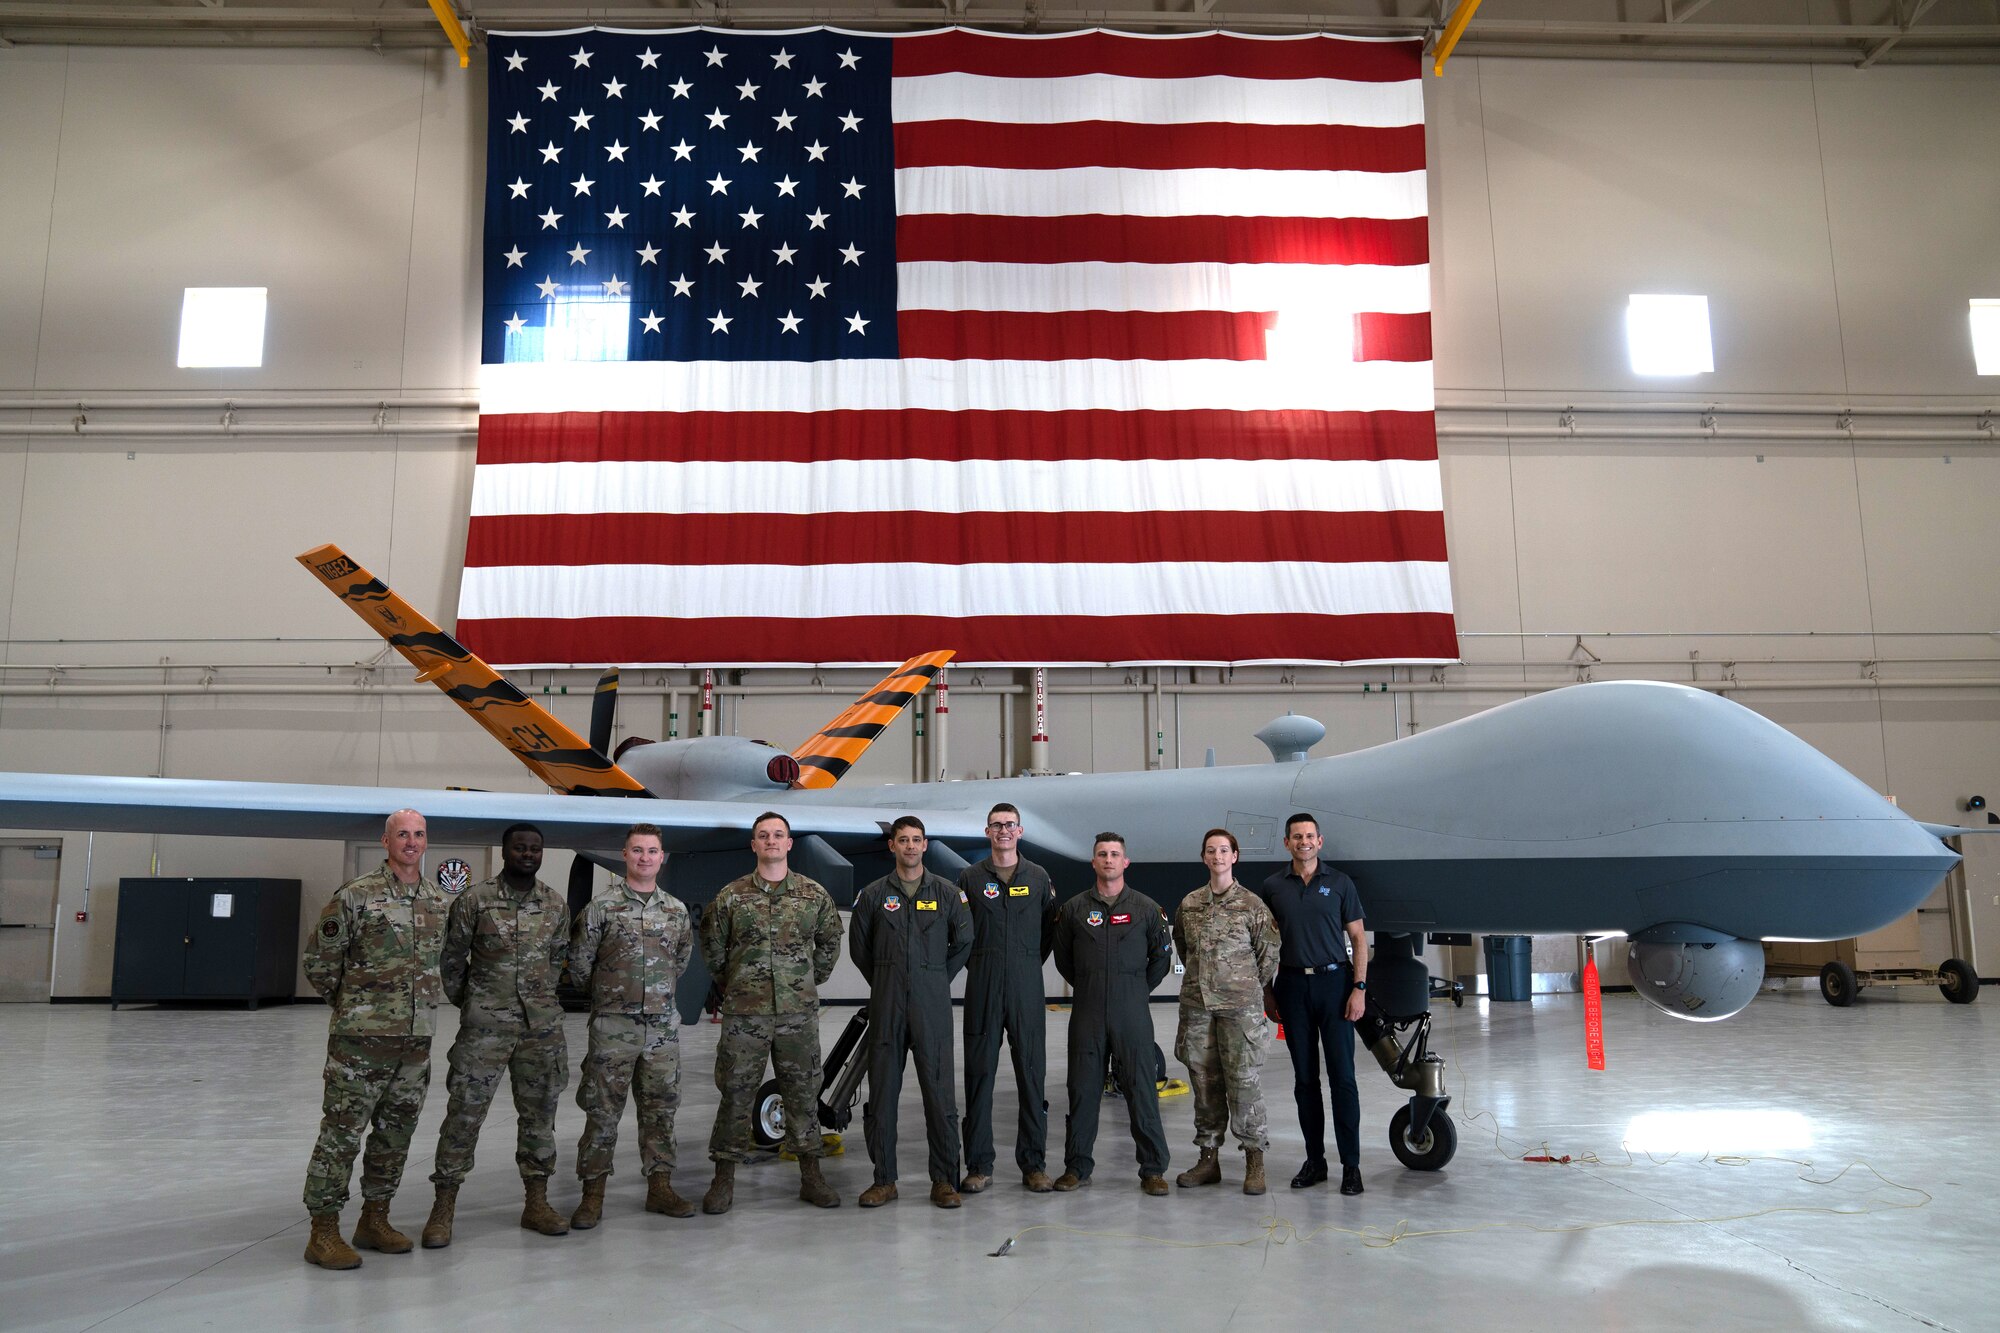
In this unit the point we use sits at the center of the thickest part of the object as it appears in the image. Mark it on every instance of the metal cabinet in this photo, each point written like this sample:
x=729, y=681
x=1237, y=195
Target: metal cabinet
x=206, y=939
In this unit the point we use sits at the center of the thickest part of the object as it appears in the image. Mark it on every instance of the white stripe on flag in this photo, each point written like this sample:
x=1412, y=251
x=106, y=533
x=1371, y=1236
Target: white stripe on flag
x=1311, y=289
x=940, y=486
x=949, y=386
x=1135, y=192
x=1206, y=99
x=785, y=591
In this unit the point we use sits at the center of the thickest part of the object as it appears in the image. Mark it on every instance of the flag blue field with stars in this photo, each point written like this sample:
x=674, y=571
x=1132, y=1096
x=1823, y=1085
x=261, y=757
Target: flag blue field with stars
x=689, y=196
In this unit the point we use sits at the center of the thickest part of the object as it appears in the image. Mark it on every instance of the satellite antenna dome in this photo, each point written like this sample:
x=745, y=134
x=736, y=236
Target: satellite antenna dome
x=1289, y=737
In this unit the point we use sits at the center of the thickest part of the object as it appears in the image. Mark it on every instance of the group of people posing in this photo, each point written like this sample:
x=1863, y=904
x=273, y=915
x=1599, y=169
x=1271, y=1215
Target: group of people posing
x=391, y=944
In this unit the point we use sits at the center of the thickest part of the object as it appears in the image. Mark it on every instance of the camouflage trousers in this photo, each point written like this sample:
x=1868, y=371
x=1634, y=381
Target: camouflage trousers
x=1224, y=1052
x=791, y=1043
x=536, y=1062
x=374, y=1085
x=639, y=1053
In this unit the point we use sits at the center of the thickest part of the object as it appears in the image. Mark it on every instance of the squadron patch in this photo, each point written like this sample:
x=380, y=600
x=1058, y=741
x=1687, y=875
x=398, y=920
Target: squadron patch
x=454, y=875
x=330, y=928
x=891, y=904
x=1094, y=919
x=993, y=890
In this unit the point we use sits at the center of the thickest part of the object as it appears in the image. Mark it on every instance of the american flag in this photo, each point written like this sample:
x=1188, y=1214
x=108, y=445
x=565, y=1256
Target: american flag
x=813, y=347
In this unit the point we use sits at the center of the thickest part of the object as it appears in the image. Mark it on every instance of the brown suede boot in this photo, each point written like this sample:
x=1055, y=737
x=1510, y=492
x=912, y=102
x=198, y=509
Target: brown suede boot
x=437, y=1231
x=373, y=1231
x=721, y=1191
x=943, y=1195
x=813, y=1188
x=1253, y=1172
x=1156, y=1186
x=326, y=1248
x=660, y=1196
x=881, y=1192
x=590, y=1211
x=536, y=1215
x=1207, y=1170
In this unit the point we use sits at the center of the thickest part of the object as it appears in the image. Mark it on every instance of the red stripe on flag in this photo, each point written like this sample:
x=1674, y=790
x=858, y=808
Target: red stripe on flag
x=1379, y=337
x=1114, y=239
x=951, y=539
x=1078, y=335
x=810, y=437
x=1117, y=143
x=959, y=51
x=1053, y=639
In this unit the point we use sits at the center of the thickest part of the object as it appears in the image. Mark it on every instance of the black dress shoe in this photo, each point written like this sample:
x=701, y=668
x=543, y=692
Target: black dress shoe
x=1312, y=1173
x=1350, y=1180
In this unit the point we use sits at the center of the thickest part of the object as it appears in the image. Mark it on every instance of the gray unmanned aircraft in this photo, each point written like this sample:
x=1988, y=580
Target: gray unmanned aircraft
x=1679, y=819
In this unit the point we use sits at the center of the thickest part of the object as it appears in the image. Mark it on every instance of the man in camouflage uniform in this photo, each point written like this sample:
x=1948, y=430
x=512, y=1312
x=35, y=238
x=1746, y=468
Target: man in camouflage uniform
x=911, y=933
x=770, y=939
x=632, y=944
x=374, y=956
x=1229, y=942
x=504, y=947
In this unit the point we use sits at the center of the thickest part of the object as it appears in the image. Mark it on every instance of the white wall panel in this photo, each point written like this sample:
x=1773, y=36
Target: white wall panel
x=1702, y=179
x=1466, y=336
x=1933, y=533
x=31, y=112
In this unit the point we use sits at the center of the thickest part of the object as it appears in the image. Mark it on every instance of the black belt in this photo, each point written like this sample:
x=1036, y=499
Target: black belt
x=1321, y=970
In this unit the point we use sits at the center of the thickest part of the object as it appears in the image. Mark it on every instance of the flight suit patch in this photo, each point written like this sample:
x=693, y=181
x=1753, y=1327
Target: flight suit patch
x=1122, y=919
x=1094, y=919
x=923, y=906
x=891, y=904
x=993, y=890
x=1018, y=890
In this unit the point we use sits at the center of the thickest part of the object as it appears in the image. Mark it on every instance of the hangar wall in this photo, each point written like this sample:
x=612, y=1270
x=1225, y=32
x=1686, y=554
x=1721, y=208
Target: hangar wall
x=1837, y=220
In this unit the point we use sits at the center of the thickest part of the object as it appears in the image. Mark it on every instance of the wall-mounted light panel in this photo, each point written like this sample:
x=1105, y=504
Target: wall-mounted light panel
x=222, y=326
x=1668, y=335
x=1986, y=335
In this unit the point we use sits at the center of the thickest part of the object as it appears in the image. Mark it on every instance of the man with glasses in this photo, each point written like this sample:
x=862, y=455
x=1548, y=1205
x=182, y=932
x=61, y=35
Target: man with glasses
x=1013, y=923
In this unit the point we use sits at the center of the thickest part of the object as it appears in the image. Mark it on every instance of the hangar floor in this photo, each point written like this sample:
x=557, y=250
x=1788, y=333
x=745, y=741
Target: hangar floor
x=151, y=1162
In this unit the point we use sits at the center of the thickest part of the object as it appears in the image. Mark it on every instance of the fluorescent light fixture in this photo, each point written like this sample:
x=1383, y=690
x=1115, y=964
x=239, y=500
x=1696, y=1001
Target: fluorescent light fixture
x=1660, y=1132
x=1986, y=335
x=1668, y=335
x=222, y=326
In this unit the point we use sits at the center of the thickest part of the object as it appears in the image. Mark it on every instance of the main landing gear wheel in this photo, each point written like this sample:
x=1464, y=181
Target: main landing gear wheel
x=1958, y=981
x=1836, y=984
x=1427, y=1151
x=767, y=1116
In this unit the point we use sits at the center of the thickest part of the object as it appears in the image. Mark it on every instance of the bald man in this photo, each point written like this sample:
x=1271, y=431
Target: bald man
x=374, y=956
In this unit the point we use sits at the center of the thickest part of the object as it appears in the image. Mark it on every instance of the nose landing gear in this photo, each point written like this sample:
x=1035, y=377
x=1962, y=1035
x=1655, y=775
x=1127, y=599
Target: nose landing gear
x=1396, y=1028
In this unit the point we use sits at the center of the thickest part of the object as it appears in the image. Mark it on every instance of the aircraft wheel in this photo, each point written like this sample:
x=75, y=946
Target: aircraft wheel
x=1837, y=985
x=1958, y=981
x=1426, y=1152
x=767, y=1116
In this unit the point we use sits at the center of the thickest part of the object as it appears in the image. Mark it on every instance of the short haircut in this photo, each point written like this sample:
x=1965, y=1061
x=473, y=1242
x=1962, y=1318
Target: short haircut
x=643, y=831
x=1002, y=809
x=1300, y=818
x=772, y=814
x=512, y=829
x=1118, y=838
x=394, y=815
x=1221, y=833
x=908, y=821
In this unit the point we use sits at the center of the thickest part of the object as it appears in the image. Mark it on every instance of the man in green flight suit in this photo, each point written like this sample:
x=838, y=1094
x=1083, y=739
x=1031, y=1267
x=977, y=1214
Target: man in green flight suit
x=770, y=939
x=374, y=956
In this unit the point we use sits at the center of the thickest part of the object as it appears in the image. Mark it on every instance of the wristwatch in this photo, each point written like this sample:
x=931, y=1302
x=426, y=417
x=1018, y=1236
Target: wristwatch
x=1361, y=985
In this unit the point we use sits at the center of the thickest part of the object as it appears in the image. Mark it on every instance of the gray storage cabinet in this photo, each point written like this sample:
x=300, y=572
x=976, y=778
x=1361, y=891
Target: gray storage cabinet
x=206, y=939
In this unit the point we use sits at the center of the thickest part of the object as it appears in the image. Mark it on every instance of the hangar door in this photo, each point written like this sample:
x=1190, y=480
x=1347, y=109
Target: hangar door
x=28, y=875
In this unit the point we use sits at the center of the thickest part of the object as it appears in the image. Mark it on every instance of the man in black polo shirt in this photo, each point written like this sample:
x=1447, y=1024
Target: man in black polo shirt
x=1322, y=974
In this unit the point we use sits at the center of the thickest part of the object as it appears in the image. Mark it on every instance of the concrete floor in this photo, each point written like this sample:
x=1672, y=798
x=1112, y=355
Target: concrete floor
x=151, y=1161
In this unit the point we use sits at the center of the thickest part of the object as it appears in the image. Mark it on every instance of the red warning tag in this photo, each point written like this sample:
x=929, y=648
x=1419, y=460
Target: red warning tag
x=1593, y=1015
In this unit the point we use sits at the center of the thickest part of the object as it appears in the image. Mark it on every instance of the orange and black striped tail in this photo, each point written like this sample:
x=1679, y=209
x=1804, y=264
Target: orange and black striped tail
x=554, y=753
x=825, y=757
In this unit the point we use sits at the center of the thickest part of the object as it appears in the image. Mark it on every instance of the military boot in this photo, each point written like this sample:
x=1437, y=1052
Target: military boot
x=590, y=1211
x=1207, y=1170
x=722, y=1190
x=1253, y=1172
x=536, y=1215
x=373, y=1231
x=813, y=1187
x=326, y=1248
x=1156, y=1186
x=660, y=1196
x=437, y=1231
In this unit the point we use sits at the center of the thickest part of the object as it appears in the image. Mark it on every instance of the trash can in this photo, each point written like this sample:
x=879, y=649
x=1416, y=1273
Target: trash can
x=1509, y=967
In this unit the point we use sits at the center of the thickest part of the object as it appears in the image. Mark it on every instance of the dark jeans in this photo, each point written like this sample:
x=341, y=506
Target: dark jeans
x=1313, y=1010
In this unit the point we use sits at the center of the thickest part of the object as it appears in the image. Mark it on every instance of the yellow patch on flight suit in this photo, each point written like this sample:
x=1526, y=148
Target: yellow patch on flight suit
x=923, y=906
x=1018, y=890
